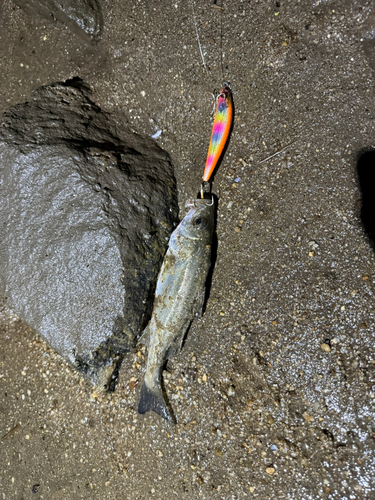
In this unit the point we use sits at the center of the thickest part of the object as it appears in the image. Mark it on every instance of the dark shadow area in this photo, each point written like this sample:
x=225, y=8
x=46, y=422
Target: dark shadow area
x=369, y=49
x=173, y=418
x=366, y=177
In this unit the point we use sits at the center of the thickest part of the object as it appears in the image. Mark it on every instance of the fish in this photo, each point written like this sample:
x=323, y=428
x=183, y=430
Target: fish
x=179, y=296
x=220, y=131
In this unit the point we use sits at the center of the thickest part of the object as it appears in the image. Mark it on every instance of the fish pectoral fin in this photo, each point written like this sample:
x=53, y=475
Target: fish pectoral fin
x=145, y=337
x=174, y=348
x=152, y=399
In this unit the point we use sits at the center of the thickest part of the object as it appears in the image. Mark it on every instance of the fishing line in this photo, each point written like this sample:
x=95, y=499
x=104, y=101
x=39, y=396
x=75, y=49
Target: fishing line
x=221, y=42
x=223, y=115
x=221, y=9
x=197, y=33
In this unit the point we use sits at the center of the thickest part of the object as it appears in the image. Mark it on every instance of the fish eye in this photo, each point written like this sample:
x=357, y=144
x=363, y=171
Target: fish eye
x=200, y=222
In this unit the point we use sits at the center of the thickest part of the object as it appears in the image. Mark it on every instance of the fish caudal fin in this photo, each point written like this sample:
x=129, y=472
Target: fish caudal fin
x=153, y=399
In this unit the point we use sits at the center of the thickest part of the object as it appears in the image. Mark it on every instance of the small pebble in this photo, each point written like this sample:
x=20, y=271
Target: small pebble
x=325, y=347
x=231, y=391
x=306, y=416
x=270, y=470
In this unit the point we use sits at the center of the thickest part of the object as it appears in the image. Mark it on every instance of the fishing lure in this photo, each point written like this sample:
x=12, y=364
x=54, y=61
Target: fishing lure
x=220, y=130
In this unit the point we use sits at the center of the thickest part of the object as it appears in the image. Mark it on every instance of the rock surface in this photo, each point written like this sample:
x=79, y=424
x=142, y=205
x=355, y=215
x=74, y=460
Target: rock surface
x=82, y=16
x=85, y=214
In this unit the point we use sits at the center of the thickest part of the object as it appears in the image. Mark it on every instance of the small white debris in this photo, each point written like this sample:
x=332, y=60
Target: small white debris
x=231, y=391
x=157, y=134
x=313, y=245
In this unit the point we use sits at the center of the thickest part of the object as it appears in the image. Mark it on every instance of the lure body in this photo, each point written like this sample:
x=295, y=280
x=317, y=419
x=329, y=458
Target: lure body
x=220, y=131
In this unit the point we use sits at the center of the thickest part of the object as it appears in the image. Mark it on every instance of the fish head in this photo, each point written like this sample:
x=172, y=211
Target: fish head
x=198, y=223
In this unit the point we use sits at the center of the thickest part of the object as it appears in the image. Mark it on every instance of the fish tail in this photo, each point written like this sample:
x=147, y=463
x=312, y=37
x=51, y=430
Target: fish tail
x=153, y=399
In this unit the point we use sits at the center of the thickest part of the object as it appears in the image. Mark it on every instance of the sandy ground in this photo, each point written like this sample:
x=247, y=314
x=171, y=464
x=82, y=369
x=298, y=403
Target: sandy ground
x=273, y=390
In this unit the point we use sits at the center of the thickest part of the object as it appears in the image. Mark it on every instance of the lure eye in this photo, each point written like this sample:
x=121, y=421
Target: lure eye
x=198, y=221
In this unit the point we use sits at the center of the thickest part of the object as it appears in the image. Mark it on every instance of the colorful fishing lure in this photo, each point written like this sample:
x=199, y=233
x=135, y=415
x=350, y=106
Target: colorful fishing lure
x=220, y=130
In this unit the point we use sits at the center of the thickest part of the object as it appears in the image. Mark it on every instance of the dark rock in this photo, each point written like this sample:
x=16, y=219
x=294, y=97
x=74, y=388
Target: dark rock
x=35, y=488
x=86, y=211
x=82, y=16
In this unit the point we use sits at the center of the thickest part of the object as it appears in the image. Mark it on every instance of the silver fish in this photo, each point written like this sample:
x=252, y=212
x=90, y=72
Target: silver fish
x=179, y=295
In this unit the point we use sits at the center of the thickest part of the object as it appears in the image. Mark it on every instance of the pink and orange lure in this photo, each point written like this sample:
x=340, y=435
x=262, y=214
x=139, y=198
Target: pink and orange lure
x=220, y=131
